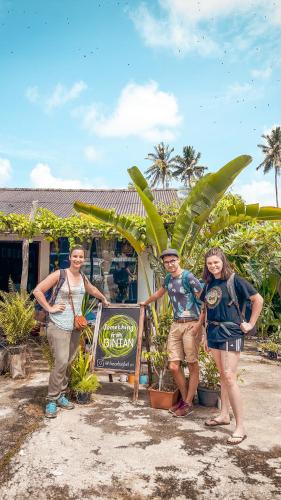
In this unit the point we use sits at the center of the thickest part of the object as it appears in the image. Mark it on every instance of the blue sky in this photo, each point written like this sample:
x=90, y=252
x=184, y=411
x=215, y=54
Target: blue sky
x=88, y=87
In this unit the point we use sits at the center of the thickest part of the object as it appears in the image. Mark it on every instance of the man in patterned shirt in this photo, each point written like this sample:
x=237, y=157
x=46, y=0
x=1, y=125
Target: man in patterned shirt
x=186, y=331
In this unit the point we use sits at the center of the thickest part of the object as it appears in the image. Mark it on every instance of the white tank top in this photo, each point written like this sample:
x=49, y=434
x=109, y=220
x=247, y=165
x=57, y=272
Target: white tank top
x=65, y=319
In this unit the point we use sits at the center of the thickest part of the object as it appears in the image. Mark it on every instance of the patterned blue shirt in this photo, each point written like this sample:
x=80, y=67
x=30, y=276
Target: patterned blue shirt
x=182, y=295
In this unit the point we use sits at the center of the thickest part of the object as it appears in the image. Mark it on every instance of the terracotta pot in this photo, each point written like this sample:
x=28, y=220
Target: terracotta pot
x=131, y=378
x=163, y=399
x=207, y=397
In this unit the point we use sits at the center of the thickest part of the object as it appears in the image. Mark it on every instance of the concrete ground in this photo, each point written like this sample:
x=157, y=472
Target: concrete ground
x=114, y=449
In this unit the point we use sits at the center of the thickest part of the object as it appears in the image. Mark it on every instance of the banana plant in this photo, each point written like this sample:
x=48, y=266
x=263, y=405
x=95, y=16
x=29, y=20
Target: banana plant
x=240, y=213
x=193, y=213
x=201, y=200
x=125, y=226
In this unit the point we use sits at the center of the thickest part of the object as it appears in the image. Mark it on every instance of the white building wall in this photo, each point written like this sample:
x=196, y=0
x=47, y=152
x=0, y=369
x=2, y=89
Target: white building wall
x=142, y=287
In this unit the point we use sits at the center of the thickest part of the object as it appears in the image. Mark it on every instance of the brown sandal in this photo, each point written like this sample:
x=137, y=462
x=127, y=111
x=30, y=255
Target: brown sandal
x=233, y=440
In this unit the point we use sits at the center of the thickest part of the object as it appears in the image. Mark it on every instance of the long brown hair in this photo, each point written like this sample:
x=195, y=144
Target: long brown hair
x=226, y=267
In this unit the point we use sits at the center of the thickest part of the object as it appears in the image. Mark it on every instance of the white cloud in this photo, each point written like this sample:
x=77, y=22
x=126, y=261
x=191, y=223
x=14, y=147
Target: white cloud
x=257, y=191
x=41, y=176
x=191, y=25
x=61, y=95
x=142, y=110
x=261, y=74
x=5, y=171
x=171, y=32
x=242, y=92
x=32, y=94
x=91, y=154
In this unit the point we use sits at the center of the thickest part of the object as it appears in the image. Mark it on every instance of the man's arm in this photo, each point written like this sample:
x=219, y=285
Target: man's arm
x=155, y=296
x=257, y=304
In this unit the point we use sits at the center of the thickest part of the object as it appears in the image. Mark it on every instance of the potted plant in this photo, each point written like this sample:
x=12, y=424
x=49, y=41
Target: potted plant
x=162, y=395
x=17, y=321
x=271, y=348
x=83, y=382
x=209, y=385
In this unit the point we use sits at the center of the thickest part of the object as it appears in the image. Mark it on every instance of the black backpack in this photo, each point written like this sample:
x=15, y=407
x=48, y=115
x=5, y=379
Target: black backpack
x=40, y=314
x=245, y=313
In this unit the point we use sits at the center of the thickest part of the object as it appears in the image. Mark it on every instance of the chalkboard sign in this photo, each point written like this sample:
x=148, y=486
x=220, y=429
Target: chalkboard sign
x=118, y=339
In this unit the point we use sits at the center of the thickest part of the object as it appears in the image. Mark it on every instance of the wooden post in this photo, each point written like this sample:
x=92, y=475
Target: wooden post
x=147, y=327
x=138, y=354
x=25, y=251
x=95, y=337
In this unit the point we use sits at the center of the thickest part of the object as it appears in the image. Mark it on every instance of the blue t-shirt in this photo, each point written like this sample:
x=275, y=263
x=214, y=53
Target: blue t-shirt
x=182, y=295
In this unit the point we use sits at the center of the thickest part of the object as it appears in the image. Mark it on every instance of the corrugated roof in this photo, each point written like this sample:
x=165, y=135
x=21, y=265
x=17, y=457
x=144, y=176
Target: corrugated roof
x=60, y=201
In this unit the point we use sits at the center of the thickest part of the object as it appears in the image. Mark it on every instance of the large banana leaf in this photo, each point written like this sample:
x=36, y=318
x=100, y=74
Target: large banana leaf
x=156, y=230
x=140, y=181
x=121, y=223
x=241, y=213
x=202, y=199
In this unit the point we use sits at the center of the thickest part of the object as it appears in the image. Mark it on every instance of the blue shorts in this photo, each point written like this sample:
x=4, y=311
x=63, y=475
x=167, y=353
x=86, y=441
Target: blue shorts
x=235, y=345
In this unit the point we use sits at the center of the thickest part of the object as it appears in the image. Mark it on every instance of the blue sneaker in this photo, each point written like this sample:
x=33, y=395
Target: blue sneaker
x=51, y=409
x=63, y=402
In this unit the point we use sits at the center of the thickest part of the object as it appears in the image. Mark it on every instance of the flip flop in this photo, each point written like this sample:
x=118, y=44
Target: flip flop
x=213, y=423
x=236, y=439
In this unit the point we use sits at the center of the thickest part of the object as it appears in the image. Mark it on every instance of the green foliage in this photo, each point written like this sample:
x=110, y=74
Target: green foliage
x=272, y=155
x=81, y=378
x=160, y=172
x=209, y=375
x=158, y=356
x=270, y=346
x=200, y=202
x=52, y=227
x=254, y=251
x=276, y=336
x=187, y=167
x=16, y=316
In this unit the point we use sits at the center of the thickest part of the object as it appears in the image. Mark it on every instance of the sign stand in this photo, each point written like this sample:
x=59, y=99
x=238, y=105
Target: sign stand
x=119, y=326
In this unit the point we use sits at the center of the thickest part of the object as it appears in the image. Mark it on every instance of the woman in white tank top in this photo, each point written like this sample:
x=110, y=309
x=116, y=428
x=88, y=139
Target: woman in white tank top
x=62, y=336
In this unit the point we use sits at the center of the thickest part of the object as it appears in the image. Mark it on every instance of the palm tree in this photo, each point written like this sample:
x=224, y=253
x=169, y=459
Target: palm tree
x=161, y=169
x=187, y=166
x=272, y=152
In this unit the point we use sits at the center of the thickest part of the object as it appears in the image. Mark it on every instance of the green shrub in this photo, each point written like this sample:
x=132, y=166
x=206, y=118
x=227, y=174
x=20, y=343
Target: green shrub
x=16, y=316
x=81, y=378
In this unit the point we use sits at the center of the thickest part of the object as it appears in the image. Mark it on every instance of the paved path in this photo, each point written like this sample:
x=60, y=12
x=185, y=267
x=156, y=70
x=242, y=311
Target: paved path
x=114, y=449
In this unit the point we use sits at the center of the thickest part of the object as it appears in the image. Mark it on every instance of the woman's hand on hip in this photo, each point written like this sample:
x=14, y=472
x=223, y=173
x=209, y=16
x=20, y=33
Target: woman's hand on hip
x=57, y=308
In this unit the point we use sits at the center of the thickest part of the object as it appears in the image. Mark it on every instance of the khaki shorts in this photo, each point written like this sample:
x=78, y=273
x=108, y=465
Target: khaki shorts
x=182, y=344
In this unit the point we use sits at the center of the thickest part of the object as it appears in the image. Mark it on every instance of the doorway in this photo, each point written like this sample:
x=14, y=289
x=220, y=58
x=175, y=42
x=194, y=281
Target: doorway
x=11, y=264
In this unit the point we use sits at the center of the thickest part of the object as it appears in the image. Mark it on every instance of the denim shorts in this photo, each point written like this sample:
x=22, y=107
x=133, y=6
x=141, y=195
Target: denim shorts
x=235, y=345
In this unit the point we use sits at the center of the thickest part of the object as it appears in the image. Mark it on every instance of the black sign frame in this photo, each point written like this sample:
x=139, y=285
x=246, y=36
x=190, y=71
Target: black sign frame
x=137, y=313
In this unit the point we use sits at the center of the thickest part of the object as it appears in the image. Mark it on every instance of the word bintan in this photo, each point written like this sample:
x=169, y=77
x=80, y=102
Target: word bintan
x=118, y=342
